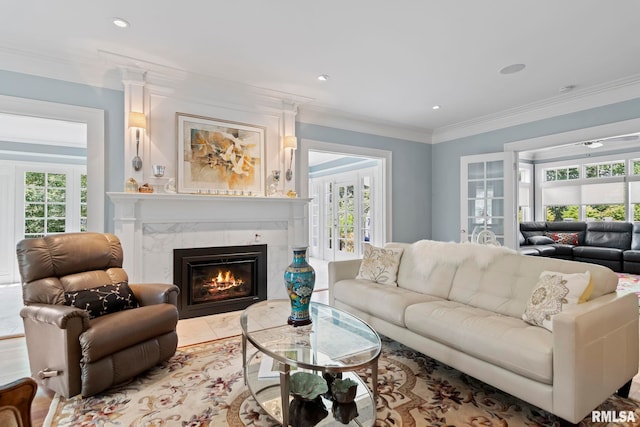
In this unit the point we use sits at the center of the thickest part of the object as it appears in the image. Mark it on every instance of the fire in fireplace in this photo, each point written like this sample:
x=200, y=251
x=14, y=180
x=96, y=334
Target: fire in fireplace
x=219, y=279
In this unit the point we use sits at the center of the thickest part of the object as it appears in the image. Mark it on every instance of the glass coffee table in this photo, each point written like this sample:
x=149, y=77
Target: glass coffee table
x=336, y=342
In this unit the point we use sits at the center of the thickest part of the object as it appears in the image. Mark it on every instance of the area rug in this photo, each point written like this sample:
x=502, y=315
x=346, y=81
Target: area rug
x=202, y=385
x=629, y=283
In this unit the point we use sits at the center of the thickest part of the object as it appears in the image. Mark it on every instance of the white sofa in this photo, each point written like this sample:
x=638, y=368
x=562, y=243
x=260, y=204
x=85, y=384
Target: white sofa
x=466, y=311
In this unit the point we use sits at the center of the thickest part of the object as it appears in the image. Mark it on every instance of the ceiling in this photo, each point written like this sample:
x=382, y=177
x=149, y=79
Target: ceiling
x=388, y=61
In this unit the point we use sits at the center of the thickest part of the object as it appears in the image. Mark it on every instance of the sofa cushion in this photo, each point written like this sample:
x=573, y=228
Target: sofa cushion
x=555, y=293
x=380, y=265
x=569, y=227
x=102, y=300
x=540, y=240
x=390, y=301
x=631, y=256
x=116, y=331
x=500, y=340
x=611, y=254
x=563, y=250
x=410, y=277
x=609, y=234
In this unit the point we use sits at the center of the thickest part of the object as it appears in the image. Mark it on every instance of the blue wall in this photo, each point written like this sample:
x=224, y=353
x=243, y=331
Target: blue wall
x=111, y=101
x=445, y=202
x=411, y=177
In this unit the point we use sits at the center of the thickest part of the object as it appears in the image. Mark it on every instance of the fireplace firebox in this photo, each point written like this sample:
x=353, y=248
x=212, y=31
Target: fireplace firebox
x=219, y=279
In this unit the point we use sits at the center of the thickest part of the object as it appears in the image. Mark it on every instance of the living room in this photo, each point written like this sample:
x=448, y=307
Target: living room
x=87, y=70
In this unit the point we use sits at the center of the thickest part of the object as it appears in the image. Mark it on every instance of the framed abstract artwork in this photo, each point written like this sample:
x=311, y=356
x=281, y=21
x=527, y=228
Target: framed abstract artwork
x=220, y=157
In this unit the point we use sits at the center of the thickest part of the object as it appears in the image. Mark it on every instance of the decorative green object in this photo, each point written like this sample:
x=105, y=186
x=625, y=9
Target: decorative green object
x=344, y=390
x=307, y=386
x=300, y=279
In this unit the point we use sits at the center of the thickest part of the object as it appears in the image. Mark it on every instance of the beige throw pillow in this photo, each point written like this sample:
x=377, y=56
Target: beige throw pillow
x=554, y=293
x=380, y=265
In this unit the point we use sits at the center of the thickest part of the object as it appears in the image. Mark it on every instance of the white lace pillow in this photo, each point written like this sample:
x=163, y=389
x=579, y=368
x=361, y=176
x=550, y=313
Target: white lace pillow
x=380, y=265
x=554, y=293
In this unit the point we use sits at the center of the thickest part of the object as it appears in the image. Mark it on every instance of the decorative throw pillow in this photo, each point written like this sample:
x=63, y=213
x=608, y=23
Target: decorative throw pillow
x=380, y=265
x=554, y=293
x=540, y=240
x=564, y=238
x=103, y=299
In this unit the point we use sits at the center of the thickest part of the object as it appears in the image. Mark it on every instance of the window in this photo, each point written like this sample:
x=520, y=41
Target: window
x=601, y=195
x=51, y=203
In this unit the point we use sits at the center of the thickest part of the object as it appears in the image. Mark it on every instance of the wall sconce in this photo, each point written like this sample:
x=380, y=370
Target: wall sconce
x=290, y=142
x=138, y=121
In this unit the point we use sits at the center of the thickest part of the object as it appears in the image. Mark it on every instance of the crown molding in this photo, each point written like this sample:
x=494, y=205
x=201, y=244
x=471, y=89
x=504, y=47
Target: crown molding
x=580, y=99
x=322, y=116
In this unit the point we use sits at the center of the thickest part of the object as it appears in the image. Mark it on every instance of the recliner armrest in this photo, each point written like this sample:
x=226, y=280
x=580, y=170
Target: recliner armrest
x=155, y=293
x=54, y=314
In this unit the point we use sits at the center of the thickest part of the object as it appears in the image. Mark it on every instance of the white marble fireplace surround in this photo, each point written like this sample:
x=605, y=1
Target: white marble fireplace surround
x=151, y=226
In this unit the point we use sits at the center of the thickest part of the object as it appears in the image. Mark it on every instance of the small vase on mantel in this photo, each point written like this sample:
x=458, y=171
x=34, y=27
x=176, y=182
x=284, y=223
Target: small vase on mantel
x=300, y=279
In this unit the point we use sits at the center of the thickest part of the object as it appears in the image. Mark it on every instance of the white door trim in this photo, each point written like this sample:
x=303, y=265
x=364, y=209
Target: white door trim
x=94, y=118
x=385, y=156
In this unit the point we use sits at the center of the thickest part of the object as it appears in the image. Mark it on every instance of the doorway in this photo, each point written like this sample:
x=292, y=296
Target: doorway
x=52, y=176
x=349, y=202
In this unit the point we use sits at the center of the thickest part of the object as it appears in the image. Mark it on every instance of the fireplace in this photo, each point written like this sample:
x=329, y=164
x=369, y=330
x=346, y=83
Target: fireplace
x=219, y=279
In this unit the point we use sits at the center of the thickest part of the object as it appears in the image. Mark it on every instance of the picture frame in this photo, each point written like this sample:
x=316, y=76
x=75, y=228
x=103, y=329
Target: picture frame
x=220, y=157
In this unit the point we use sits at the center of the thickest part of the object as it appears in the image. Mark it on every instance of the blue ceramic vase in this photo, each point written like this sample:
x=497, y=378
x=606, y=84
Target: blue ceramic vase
x=300, y=279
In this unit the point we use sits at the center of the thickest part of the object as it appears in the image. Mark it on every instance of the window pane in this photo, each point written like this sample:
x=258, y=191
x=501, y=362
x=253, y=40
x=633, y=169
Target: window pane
x=574, y=173
x=562, y=174
x=609, y=212
x=57, y=211
x=551, y=175
x=34, y=178
x=33, y=226
x=495, y=169
x=33, y=210
x=636, y=167
x=56, y=180
x=591, y=171
x=604, y=170
x=55, y=226
x=561, y=213
x=34, y=195
x=56, y=195
x=617, y=169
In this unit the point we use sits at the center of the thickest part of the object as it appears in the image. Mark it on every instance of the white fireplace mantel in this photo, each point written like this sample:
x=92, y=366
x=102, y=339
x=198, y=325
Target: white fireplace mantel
x=150, y=226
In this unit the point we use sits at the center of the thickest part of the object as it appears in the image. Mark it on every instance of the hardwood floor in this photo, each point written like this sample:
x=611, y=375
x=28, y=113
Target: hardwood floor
x=14, y=364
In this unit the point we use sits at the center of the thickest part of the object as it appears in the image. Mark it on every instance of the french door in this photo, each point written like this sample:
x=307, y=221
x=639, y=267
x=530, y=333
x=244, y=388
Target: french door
x=344, y=215
x=487, y=196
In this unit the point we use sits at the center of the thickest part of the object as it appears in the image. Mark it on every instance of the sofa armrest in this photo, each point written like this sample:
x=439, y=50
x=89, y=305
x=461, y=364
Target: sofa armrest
x=341, y=270
x=155, y=293
x=595, y=352
x=56, y=315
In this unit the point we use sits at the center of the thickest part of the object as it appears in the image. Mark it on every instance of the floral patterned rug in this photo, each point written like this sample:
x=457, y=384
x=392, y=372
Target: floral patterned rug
x=202, y=385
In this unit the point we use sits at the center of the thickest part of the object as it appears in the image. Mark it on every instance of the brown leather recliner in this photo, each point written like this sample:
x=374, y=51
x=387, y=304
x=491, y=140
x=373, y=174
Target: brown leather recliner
x=71, y=353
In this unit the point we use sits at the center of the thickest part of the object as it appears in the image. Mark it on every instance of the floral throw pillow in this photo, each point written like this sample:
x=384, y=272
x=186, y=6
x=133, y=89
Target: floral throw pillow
x=380, y=265
x=554, y=293
x=564, y=238
x=103, y=299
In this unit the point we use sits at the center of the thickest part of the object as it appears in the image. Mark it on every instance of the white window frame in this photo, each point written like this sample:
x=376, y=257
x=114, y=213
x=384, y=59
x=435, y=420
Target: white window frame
x=540, y=169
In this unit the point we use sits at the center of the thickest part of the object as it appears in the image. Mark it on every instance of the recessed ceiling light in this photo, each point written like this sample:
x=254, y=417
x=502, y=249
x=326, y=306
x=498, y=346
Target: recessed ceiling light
x=119, y=22
x=436, y=107
x=323, y=77
x=513, y=68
